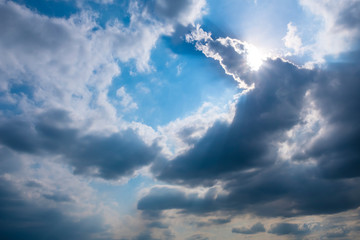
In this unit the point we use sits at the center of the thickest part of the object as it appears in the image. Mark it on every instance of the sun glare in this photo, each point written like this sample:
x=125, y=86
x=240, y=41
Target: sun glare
x=254, y=57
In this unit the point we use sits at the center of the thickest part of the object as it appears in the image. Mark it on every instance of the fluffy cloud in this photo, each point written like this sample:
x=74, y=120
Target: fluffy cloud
x=339, y=30
x=292, y=40
x=109, y=157
x=55, y=74
x=68, y=65
x=76, y=59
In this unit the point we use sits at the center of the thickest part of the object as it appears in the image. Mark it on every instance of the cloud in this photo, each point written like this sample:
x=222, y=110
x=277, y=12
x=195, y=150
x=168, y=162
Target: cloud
x=157, y=225
x=266, y=112
x=76, y=58
x=337, y=100
x=109, y=157
x=183, y=12
x=179, y=135
x=338, y=232
x=244, y=156
x=21, y=219
x=211, y=222
x=126, y=100
x=292, y=40
x=58, y=197
x=256, y=228
x=289, y=228
x=339, y=30
x=233, y=55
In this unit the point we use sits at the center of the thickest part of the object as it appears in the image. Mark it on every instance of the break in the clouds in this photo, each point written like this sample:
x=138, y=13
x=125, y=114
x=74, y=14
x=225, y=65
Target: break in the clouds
x=156, y=120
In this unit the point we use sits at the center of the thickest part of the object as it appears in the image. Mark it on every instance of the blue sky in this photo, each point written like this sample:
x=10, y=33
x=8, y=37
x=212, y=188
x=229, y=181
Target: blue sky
x=189, y=119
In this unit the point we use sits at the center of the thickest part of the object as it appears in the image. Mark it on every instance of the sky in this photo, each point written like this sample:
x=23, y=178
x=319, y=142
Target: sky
x=179, y=120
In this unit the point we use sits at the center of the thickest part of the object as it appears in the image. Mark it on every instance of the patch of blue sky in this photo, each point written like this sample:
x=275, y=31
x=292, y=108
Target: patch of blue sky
x=177, y=85
x=51, y=8
x=104, y=12
x=109, y=12
x=22, y=89
x=262, y=22
x=17, y=91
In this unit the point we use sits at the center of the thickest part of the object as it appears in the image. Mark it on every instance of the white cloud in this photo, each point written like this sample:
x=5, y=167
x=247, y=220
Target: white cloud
x=339, y=30
x=67, y=64
x=179, y=136
x=292, y=40
x=236, y=57
x=126, y=100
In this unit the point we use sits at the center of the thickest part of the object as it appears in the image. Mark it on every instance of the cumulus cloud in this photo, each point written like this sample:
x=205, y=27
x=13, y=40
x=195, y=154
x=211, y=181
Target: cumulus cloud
x=109, y=157
x=244, y=156
x=292, y=40
x=266, y=112
x=76, y=61
x=76, y=58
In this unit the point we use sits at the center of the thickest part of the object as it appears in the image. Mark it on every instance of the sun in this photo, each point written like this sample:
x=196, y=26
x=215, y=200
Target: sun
x=254, y=57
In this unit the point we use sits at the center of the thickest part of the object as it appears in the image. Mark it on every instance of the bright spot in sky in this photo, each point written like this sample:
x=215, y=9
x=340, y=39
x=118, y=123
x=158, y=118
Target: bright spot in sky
x=254, y=57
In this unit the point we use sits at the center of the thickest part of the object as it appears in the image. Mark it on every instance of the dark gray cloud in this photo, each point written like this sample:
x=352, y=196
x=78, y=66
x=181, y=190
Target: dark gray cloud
x=281, y=190
x=33, y=184
x=289, y=228
x=337, y=151
x=262, y=117
x=9, y=162
x=21, y=219
x=244, y=154
x=349, y=17
x=109, y=157
x=256, y=228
